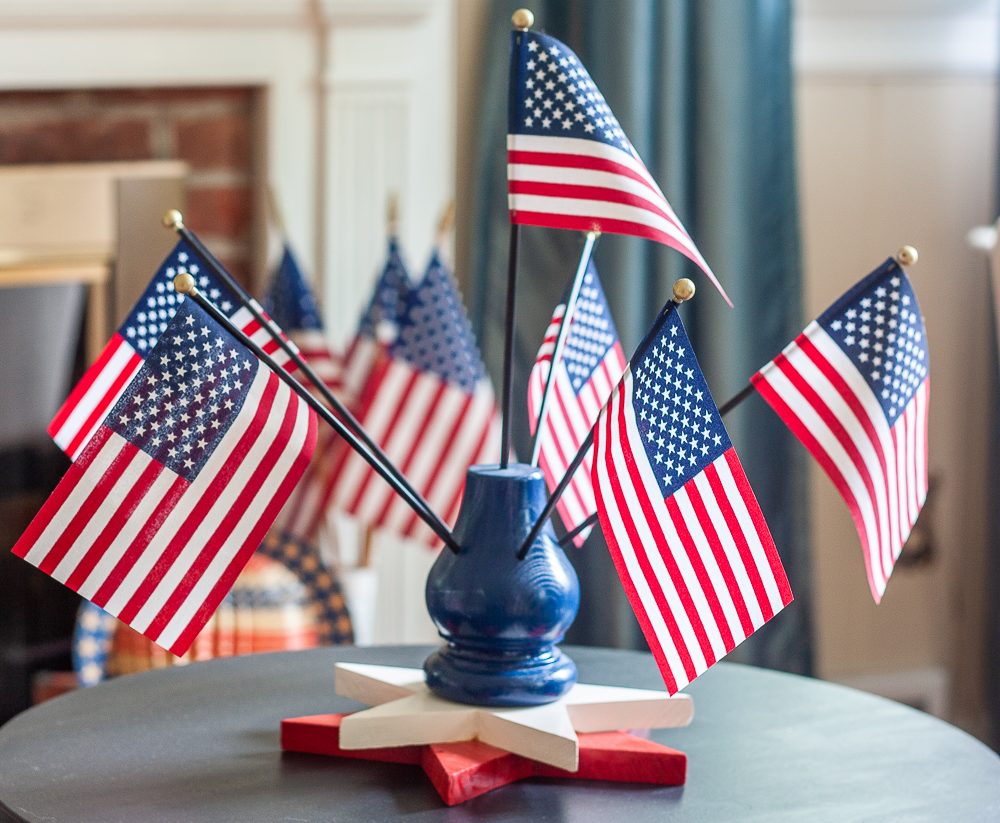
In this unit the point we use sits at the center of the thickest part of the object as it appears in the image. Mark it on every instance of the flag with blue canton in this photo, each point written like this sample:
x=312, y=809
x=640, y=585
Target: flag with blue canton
x=591, y=365
x=178, y=485
x=429, y=405
x=292, y=305
x=686, y=534
x=119, y=362
x=854, y=388
x=569, y=164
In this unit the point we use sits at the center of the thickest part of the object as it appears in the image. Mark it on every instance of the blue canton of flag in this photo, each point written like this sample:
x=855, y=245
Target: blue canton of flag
x=854, y=388
x=290, y=301
x=677, y=420
x=186, y=396
x=879, y=326
x=435, y=335
x=388, y=301
x=687, y=537
x=592, y=334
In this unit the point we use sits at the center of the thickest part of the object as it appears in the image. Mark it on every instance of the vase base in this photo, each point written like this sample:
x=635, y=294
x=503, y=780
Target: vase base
x=482, y=679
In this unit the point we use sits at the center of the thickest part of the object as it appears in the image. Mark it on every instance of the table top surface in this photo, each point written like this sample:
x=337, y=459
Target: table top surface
x=201, y=742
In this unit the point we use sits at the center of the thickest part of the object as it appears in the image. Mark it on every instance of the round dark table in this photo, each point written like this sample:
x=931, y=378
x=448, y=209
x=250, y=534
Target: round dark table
x=200, y=743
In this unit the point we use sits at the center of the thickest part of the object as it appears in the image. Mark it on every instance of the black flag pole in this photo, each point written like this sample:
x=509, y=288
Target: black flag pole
x=185, y=284
x=683, y=290
x=175, y=220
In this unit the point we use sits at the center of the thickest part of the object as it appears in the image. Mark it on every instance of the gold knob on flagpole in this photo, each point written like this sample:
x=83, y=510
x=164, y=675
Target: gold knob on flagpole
x=184, y=283
x=683, y=290
x=173, y=219
x=907, y=256
x=522, y=19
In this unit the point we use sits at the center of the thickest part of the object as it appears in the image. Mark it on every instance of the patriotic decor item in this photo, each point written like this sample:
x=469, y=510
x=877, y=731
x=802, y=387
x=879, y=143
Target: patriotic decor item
x=178, y=485
x=292, y=305
x=379, y=324
x=685, y=531
x=429, y=405
x=378, y=327
x=569, y=164
x=854, y=388
x=107, y=379
x=591, y=365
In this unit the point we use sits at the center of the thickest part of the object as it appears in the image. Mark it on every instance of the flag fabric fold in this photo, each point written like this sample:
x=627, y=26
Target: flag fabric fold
x=569, y=164
x=591, y=365
x=685, y=531
x=429, y=405
x=178, y=484
x=290, y=302
x=854, y=388
x=110, y=375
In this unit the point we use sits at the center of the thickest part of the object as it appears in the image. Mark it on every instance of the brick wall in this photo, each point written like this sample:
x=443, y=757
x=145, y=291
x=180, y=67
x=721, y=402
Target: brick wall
x=211, y=128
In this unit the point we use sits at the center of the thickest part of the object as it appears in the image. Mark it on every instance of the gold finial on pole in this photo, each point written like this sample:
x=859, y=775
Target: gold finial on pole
x=446, y=223
x=184, y=283
x=683, y=290
x=522, y=19
x=907, y=256
x=392, y=214
x=173, y=219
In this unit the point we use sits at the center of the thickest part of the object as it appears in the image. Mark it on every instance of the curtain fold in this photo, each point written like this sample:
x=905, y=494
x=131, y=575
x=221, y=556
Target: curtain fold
x=703, y=88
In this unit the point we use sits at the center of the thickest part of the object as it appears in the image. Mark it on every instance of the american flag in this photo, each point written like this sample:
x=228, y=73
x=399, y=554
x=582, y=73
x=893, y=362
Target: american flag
x=291, y=304
x=569, y=164
x=378, y=327
x=592, y=363
x=107, y=379
x=688, y=539
x=178, y=485
x=429, y=405
x=854, y=388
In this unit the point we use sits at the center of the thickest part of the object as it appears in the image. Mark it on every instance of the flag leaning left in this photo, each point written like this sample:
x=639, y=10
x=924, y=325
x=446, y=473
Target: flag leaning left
x=685, y=531
x=178, y=484
x=107, y=379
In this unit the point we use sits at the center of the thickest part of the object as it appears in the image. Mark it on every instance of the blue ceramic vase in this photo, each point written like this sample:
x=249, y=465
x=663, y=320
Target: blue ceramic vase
x=501, y=617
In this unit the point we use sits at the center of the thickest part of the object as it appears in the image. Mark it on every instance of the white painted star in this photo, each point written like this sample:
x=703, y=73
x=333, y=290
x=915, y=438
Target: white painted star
x=407, y=713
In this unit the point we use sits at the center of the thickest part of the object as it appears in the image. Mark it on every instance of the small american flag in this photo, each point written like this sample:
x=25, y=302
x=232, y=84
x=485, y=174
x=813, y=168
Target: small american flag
x=854, y=388
x=291, y=304
x=569, y=164
x=429, y=405
x=379, y=325
x=688, y=539
x=592, y=363
x=107, y=379
x=178, y=485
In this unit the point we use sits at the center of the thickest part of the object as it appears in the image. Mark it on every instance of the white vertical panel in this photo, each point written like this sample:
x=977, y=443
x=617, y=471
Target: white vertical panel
x=368, y=158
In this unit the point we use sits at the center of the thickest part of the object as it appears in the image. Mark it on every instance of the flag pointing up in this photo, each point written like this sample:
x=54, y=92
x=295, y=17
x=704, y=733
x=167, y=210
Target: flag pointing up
x=854, y=388
x=569, y=164
x=178, y=484
x=686, y=534
x=591, y=366
x=291, y=304
x=121, y=359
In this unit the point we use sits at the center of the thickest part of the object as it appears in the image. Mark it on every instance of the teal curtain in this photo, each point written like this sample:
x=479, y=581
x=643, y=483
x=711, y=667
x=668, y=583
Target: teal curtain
x=703, y=88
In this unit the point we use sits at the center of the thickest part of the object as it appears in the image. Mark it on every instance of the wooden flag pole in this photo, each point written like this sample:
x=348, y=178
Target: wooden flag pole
x=561, y=337
x=174, y=220
x=185, y=284
x=683, y=290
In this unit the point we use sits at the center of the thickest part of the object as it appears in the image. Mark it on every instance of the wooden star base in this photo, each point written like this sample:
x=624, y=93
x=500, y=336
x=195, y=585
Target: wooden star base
x=463, y=770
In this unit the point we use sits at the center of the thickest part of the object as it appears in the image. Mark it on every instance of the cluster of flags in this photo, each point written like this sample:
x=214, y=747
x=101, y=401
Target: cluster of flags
x=187, y=447
x=685, y=531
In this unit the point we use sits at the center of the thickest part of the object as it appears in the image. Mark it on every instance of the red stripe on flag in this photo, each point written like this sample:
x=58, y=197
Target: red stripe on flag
x=575, y=191
x=203, y=505
x=99, y=412
x=88, y=380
